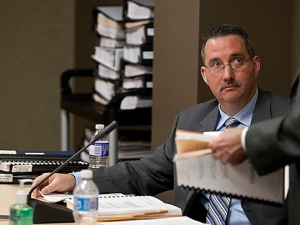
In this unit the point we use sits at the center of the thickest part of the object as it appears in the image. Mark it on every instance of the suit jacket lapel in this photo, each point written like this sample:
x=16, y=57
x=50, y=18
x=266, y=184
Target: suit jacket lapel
x=261, y=112
x=262, y=109
x=209, y=122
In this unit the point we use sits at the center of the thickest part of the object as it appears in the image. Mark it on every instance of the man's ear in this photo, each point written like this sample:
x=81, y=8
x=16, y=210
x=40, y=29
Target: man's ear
x=203, y=73
x=256, y=63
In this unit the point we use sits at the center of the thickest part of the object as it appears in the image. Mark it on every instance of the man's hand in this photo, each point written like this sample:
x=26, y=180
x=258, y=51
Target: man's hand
x=227, y=147
x=59, y=183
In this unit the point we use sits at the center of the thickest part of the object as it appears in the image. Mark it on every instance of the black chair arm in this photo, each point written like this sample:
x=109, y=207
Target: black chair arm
x=68, y=74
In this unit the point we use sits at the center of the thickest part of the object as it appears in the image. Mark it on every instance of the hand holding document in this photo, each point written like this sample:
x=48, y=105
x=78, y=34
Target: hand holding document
x=196, y=168
x=192, y=144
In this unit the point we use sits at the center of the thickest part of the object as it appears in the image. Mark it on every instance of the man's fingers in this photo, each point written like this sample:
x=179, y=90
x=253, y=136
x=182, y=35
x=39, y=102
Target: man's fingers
x=219, y=154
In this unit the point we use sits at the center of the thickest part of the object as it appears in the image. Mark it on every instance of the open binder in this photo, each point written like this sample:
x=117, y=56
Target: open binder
x=198, y=169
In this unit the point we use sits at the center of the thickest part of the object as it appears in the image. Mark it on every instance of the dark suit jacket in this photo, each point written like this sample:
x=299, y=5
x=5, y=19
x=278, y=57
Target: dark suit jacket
x=273, y=144
x=157, y=173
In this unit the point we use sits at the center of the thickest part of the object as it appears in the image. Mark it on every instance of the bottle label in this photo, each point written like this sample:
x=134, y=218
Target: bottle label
x=14, y=218
x=85, y=204
x=100, y=149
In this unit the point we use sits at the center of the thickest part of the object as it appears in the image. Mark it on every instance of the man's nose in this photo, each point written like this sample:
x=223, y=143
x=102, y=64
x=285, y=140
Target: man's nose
x=227, y=71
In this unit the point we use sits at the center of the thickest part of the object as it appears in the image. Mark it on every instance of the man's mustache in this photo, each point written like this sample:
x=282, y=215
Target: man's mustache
x=230, y=84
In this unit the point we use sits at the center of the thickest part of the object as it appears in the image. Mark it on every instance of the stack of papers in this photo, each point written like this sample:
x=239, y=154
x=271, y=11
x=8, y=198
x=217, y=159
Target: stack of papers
x=117, y=206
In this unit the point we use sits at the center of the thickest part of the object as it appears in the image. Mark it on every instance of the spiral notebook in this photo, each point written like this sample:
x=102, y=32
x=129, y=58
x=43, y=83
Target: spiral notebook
x=198, y=169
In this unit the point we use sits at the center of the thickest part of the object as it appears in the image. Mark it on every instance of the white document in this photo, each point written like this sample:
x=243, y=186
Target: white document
x=242, y=181
x=196, y=168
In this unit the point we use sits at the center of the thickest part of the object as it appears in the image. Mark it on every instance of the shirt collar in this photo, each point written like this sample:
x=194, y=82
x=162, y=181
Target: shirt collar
x=244, y=115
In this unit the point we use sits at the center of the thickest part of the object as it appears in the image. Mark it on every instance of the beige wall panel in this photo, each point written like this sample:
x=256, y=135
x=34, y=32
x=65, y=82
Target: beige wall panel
x=37, y=43
x=176, y=63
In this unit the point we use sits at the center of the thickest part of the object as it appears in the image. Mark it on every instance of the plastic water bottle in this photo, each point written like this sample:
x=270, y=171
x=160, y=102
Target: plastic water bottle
x=86, y=193
x=99, y=151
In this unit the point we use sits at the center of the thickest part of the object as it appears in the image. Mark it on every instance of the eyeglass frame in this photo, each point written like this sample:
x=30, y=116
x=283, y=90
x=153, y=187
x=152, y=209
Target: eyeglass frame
x=229, y=64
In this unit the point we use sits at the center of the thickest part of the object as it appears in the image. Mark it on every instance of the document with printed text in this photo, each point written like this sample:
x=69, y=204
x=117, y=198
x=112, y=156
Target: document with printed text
x=196, y=168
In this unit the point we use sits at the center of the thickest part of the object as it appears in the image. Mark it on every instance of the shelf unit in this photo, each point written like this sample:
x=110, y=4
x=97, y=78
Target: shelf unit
x=83, y=105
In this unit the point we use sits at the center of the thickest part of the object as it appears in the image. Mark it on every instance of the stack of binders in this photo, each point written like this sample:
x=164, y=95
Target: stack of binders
x=123, y=59
x=124, y=52
x=138, y=54
x=110, y=41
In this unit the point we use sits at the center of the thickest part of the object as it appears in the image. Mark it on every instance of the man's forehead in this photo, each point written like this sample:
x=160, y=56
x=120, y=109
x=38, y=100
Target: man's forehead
x=225, y=41
x=229, y=46
x=223, y=37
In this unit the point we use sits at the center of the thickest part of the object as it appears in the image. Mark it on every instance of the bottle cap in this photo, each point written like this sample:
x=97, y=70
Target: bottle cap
x=86, y=174
x=99, y=126
x=21, y=194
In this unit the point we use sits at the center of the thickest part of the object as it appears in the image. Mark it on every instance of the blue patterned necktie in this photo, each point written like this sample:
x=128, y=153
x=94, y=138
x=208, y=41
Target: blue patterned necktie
x=217, y=209
x=218, y=206
x=231, y=122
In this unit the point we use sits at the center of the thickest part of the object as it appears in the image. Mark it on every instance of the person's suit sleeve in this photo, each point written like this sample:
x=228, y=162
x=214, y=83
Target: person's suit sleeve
x=273, y=144
x=148, y=176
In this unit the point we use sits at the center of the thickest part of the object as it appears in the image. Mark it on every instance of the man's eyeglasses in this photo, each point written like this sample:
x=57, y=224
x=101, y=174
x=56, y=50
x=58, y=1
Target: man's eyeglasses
x=217, y=66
